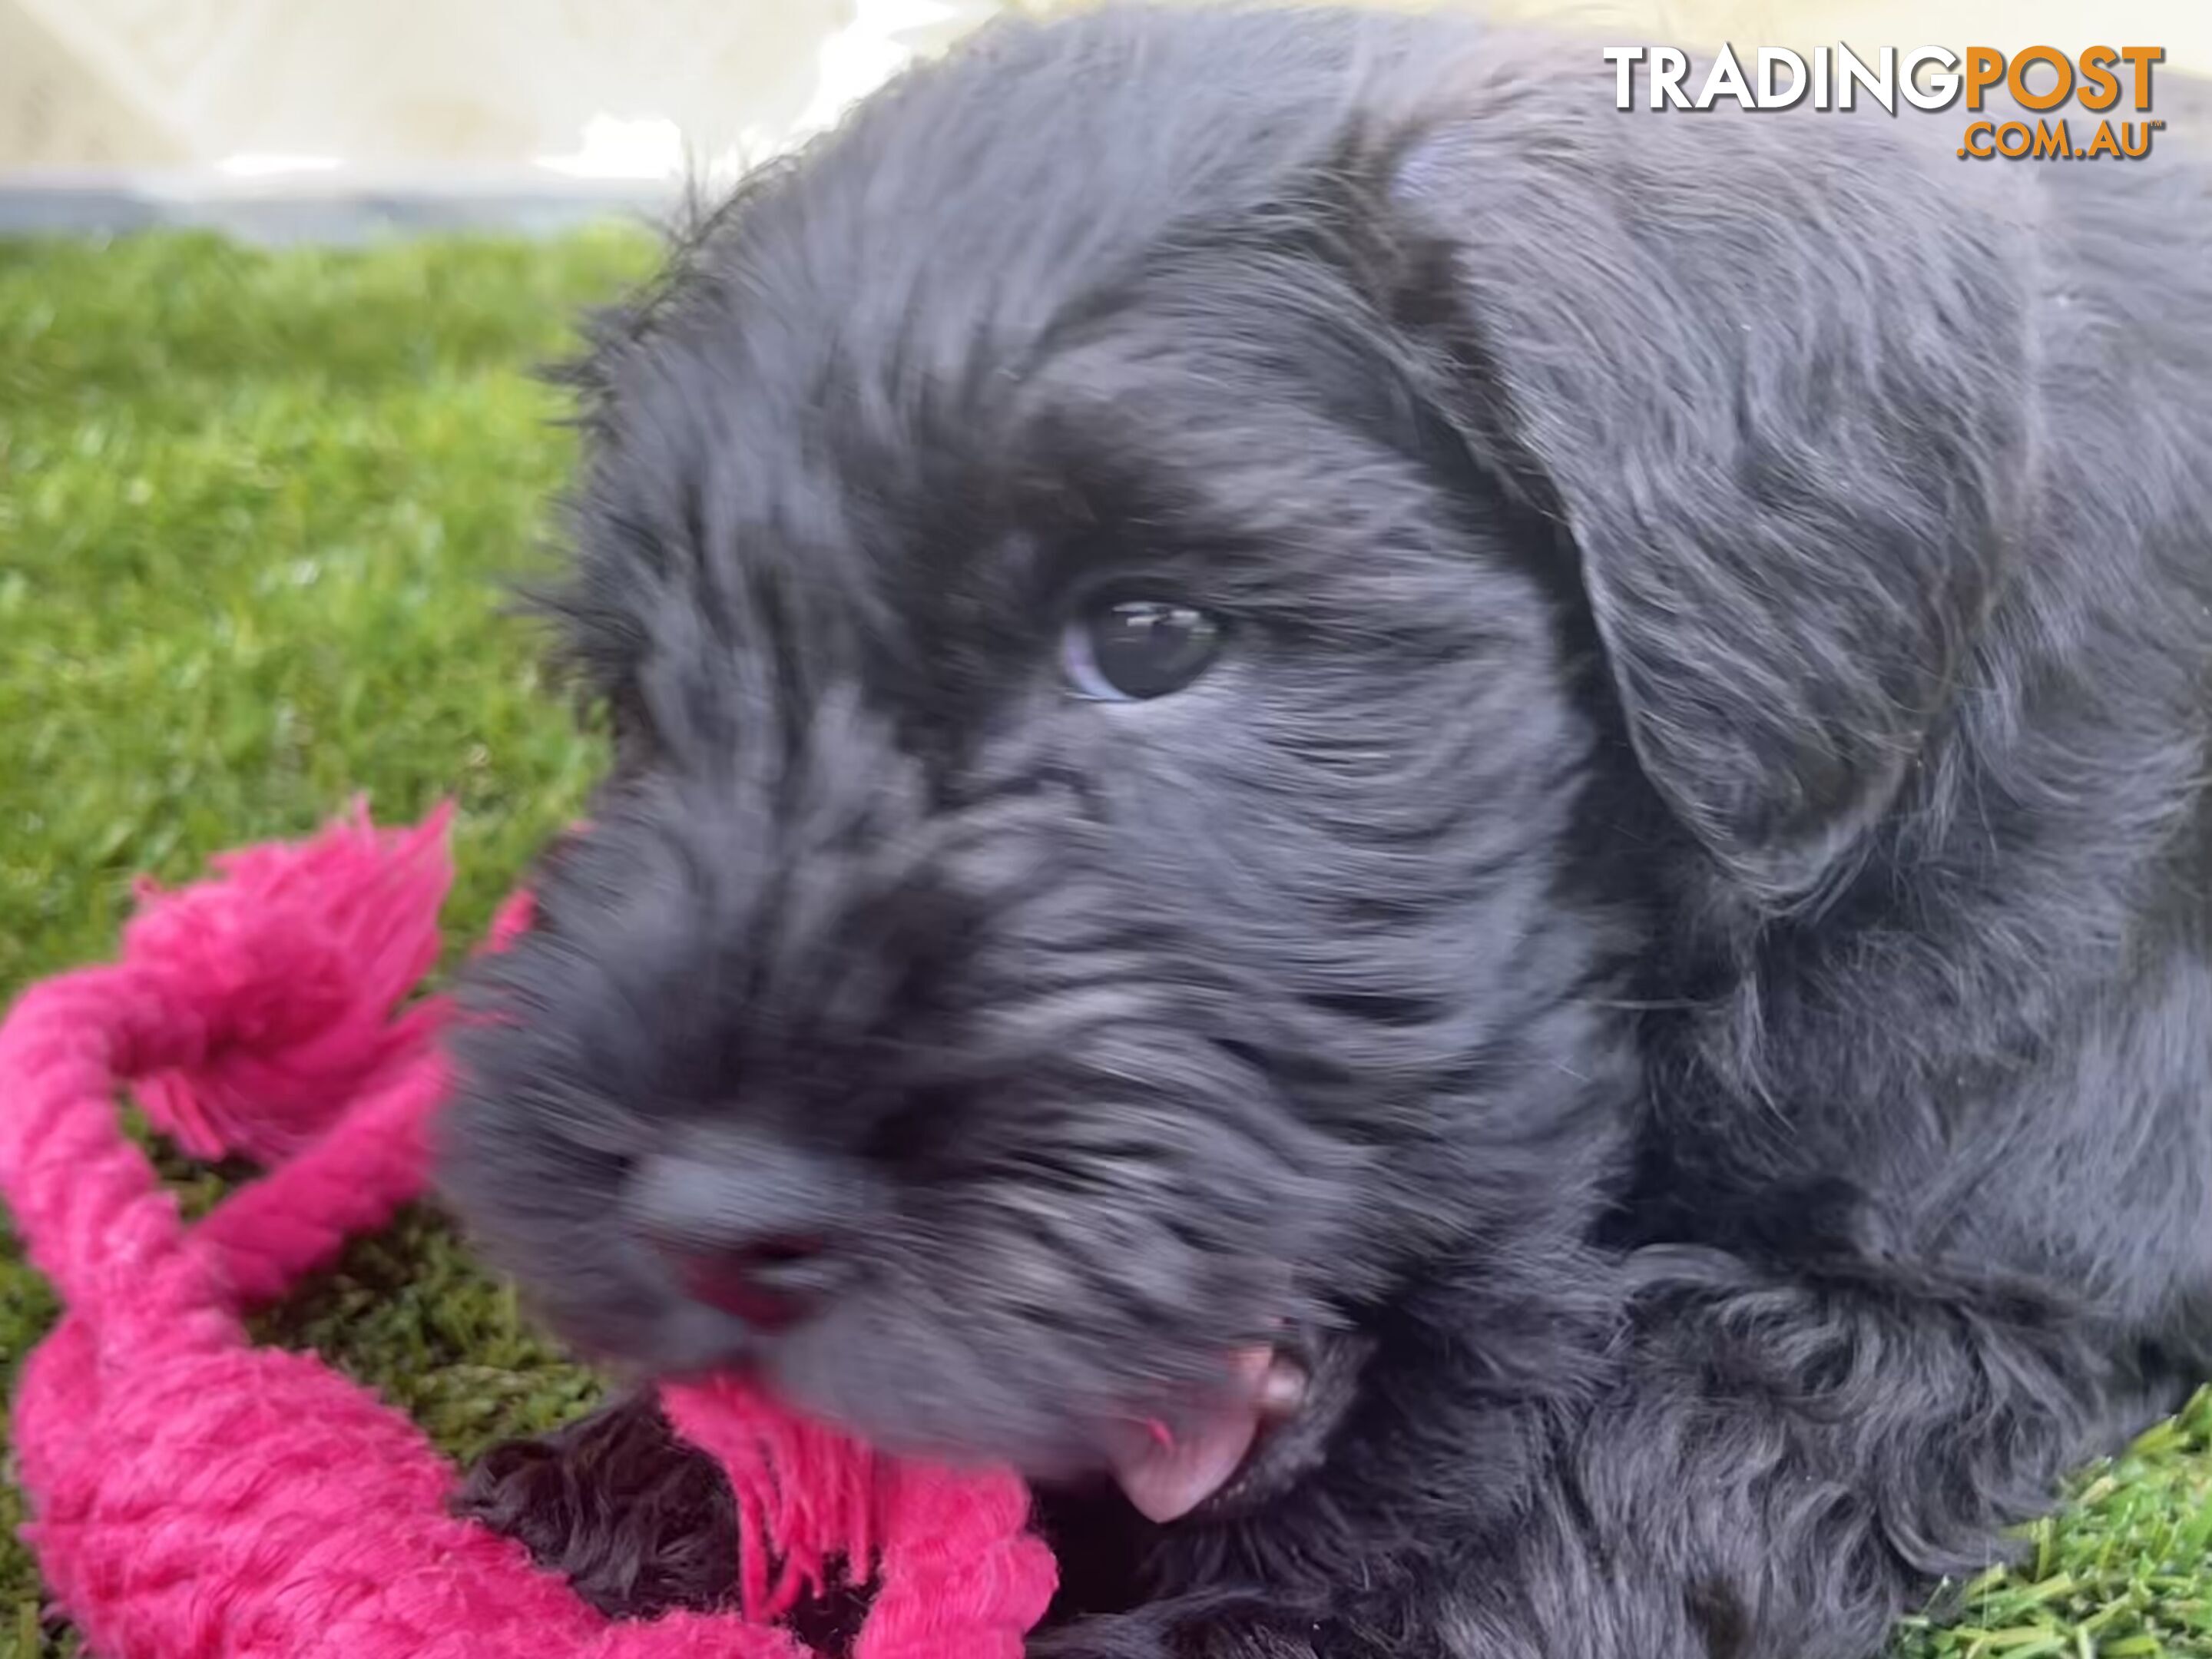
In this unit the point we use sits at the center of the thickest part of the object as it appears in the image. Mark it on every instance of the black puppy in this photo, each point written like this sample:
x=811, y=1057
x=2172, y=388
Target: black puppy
x=1466, y=832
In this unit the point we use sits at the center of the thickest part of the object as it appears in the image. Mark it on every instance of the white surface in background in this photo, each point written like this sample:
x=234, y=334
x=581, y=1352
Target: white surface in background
x=881, y=38
x=577, y=88
x=852, y=61
x=250, y=165
x=589, y=92
x=652, y=147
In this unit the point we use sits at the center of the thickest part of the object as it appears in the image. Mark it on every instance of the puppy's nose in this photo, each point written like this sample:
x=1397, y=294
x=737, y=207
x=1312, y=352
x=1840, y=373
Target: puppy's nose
x=748, y=1229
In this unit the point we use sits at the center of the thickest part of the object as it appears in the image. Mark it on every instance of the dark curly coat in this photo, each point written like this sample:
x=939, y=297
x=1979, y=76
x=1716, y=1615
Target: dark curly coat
x=1653, y=969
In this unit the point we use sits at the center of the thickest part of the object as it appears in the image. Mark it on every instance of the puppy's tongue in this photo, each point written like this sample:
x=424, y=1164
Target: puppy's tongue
x=1166, y=1474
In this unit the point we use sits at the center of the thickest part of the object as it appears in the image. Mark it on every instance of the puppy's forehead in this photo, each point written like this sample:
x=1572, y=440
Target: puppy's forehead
x=897, y=270
x=978, y=200
x=833, y=419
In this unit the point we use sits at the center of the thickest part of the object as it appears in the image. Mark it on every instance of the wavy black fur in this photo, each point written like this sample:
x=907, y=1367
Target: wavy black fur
x=1673, y=944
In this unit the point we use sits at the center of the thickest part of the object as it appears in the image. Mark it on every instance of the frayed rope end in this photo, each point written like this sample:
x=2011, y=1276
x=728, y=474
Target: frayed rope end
x=302, y=953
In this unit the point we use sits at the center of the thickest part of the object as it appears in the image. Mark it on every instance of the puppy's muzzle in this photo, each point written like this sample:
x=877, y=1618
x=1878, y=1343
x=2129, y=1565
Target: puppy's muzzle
x=754, y=1227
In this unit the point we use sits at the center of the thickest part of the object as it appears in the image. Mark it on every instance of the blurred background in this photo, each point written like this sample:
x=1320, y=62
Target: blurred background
x=310, y=117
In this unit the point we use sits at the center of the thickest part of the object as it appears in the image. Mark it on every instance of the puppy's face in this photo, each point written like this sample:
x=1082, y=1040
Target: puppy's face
x=1087, y=915
x=1057, y=945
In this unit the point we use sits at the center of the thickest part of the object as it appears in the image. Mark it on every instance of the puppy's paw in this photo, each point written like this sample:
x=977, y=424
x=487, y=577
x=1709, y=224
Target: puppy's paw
x=1226, y=1627
x=641, y=1522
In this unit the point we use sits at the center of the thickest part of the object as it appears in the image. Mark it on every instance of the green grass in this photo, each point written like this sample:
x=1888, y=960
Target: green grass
x=255, y=515
x=253, y=512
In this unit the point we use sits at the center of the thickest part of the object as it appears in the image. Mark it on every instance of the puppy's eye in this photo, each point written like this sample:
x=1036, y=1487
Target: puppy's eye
x=1123, y=648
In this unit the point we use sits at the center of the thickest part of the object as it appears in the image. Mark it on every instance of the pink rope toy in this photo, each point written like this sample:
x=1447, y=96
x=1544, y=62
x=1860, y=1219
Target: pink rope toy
x=196, y=1496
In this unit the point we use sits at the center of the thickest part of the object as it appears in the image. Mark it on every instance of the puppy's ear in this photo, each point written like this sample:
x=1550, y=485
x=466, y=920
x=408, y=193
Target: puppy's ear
x=1772, y=376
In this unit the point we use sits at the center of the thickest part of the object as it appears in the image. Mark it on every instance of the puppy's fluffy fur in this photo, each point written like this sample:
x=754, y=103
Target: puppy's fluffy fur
x=1665, y=961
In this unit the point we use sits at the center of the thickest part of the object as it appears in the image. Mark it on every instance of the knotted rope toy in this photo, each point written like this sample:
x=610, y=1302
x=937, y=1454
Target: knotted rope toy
x=194, y=1495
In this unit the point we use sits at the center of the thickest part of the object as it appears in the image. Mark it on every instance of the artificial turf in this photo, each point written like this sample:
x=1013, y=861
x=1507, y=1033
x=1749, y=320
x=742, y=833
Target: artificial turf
x=255, y=512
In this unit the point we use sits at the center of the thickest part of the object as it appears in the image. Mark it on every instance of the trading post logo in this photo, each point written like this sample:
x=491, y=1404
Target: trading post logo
x=2041, y=80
